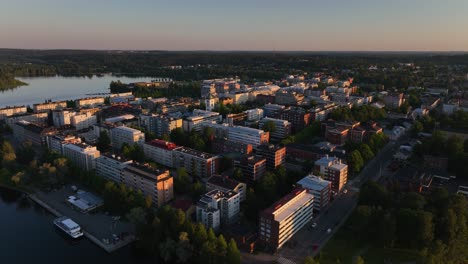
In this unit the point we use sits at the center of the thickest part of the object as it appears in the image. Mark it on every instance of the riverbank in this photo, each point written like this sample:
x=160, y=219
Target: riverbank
x=98, y=227
x=8, y=83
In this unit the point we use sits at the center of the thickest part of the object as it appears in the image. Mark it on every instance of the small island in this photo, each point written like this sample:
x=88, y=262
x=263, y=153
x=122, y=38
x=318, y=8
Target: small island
x=8, y=82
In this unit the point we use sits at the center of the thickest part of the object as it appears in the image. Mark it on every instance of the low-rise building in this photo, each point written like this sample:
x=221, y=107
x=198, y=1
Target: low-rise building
x=320, y=188
x=158, y=184
x=286, y=217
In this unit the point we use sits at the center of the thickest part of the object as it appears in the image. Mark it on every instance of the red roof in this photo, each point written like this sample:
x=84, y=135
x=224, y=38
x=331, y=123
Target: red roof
x=162, y=144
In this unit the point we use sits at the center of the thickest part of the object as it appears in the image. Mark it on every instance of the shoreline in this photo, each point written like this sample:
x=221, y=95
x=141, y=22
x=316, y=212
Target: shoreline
x=109, y=248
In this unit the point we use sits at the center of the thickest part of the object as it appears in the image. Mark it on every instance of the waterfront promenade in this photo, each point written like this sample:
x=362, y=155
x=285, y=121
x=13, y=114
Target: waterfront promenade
x=104, y=230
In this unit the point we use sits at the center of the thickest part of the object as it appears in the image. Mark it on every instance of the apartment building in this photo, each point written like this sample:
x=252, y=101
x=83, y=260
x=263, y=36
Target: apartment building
x=333, y=170
x=47, y=106
x=285, y=218
x=82, y=155
x=225, y=184
x=220, y=145
x=282, y=128
x=28, y=131
x=252, y=167
x=89, y=102
x=320, y=188
x=57, y=142
x=217, y=204
x=83, y=120
x=12, y=110
x=288, y=98
x=394, y=100
x=160, y=125
x=246, y=135
x=158, y=184
x=196, y=163
x=274, y=154
x=111, y=167
x=160, y=151
x=273, y=110
x=123, y=134
x=254, y=114
x=297, y=116
x=62, y=117
x=199, y=117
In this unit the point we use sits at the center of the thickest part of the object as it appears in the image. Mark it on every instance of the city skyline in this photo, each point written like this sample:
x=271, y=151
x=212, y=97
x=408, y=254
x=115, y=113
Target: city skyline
x=297, y=25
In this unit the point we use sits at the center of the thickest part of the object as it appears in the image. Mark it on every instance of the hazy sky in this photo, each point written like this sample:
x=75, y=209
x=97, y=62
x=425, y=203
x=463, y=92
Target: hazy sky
x=421, y=25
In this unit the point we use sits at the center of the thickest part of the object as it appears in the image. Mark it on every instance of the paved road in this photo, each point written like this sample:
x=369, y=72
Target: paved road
x=339, y=209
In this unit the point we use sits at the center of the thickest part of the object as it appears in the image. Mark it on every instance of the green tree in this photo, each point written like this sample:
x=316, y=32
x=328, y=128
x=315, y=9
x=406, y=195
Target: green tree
x=104, y=142
x=269, y=126
x=310, y=260
x=26, y=153
x=233, y=255
x=366, y=152
x=358, y=260
x=355, y=161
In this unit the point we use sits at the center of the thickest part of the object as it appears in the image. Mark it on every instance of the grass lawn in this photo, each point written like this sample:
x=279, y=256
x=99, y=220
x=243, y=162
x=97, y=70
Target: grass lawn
x=344, y=246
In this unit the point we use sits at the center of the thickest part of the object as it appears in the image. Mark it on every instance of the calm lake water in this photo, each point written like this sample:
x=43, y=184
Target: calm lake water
x=59, y=88
x=27, y=235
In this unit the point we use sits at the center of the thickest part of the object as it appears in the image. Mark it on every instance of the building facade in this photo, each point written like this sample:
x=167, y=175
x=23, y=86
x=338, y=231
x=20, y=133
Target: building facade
x=275, y=155
x=333, y=170
x=227, y=205
x=82, y=155
x=111, y=167
x=160, y=151
x=130, y=136
x=196, y=163
x=320, y=188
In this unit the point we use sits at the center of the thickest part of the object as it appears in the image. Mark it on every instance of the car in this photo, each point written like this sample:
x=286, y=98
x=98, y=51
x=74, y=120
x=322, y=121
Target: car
x=329, y=230
x=345, y=191
x=314, y=225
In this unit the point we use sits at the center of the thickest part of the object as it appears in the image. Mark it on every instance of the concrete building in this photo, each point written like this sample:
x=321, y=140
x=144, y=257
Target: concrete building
x=196, y=163
x=333, y=170
x=199, y=117
x=83, y=120
x=282, y=128
x=62, y=117
x=122, y=134
x=394, y=100
x=111, y=167
x=12, y=110
x=246, y=135
x=285, y=218
x=297, y=116
x=254, y=114
x=160, y=125
x=82, y=155
x=160, y=151
x=225, y=184
x=273, y=110
x=275, y=155
x=253, y=168
x=47, y=106
x=227, y=203
x=57, y=142
x=158, y=184
x=289, y=98
x=320, y=188
x=36, y=133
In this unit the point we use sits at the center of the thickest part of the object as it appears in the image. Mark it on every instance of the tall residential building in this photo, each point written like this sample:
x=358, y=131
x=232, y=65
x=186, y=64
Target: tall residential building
x=57, y=142
x=160, y=125
x=297, y=116
x=82, y=155
x=12, y=110
x=158, y=184
x=286, y=217
x=273, y=110
x=254, y=114
x=282, y=127
x=227, y=203
x=122, y=134
x=160, y=151
x=225, y=184
x=111, y=167
x=83, y=120
x=252, y=167
x=275, y=155
x=320, y=188
x=333, y=170
x=196, y=163
x=62, y=117
x=49, y=106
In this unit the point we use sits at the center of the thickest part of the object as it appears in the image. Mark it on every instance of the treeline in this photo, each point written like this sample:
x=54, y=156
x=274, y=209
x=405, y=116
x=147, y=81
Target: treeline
x=358, y=154
x=359, y=113
x=436, y=226
x=170, y=237
x=453, y=147
x=7, y=82
x=187, y=89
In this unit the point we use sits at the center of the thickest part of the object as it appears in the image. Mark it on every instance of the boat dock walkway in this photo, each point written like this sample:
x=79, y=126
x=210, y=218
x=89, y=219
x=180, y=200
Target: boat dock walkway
x=101, y=229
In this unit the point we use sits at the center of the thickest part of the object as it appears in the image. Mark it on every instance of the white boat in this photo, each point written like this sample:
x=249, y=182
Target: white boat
x=68, y=226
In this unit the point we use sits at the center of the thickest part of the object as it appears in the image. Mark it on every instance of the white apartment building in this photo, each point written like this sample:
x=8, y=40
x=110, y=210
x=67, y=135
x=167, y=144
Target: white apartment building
x=285, y=218
x=254, y=114
x=198, y=117
x=62, y=117
x=227, y=203
x=12, y=110
x=111, y=167
x=123, y=134
x=49, y=106
x=196, y=163
x=320, y=188
x=83, y=120
x=160, y=151
x=89, y=102
x=333, y=170
x=282, y=127
x=57, y=142
x=246, y=135
x=82, y=155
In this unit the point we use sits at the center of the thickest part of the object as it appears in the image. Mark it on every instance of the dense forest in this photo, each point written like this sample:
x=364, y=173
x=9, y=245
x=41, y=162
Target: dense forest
x=7, y=82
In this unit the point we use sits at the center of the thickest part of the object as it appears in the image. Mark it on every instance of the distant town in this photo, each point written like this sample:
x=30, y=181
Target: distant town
x=281, y=169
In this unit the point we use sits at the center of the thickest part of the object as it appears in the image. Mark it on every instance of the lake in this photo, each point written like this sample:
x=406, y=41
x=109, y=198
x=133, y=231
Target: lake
x=59, y=88
x=27, y=235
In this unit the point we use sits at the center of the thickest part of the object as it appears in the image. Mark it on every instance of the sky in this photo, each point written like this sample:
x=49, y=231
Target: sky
x=296, y=25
